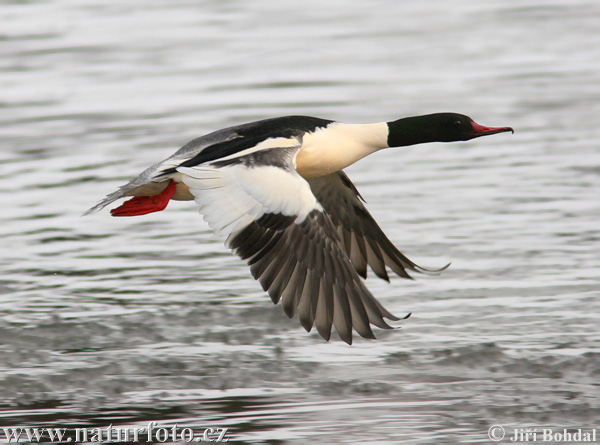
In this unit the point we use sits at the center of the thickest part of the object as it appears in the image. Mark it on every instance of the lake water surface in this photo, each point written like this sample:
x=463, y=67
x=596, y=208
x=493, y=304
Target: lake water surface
x=126, y=321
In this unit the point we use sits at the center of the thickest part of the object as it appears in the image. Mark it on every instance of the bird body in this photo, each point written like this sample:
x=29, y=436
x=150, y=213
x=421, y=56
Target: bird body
x=276, y=189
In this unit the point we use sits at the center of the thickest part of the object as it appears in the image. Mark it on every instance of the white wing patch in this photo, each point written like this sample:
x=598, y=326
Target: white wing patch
x=231, y=197
x=265, y=145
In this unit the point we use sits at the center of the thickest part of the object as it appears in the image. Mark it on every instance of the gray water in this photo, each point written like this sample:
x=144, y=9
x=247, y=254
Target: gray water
x=125, y=321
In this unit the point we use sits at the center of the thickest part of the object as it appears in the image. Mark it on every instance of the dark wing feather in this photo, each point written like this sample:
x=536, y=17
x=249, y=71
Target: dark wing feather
x=305, y=267
x=362, y=238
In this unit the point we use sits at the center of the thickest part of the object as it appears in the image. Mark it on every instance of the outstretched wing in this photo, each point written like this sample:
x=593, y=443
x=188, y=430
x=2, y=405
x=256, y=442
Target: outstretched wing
x=274, y=222
x=362, y=238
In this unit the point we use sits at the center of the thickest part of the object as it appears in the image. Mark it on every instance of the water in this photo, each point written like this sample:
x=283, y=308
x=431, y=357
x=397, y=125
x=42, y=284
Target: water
x=125, y=321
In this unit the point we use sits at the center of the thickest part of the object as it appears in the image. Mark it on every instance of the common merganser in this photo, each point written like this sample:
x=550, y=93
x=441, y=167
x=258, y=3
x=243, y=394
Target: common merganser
x=277, y=190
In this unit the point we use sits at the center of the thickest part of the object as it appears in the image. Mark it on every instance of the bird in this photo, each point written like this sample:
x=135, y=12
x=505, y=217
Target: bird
x=277, y=191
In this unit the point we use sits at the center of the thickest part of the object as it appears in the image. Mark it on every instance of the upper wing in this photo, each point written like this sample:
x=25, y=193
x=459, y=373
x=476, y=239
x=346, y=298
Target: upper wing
x=362, y=239
x=227, y=143
x=274, y=222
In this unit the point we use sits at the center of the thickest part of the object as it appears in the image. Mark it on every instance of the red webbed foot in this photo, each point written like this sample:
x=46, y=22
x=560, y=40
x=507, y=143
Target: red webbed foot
x=141, y=205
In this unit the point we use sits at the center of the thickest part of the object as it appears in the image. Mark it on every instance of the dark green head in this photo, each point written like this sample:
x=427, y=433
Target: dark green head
x=438, y=127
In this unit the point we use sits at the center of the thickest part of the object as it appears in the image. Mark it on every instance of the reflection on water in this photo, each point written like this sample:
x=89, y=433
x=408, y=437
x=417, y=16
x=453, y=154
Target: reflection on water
x=126, y=321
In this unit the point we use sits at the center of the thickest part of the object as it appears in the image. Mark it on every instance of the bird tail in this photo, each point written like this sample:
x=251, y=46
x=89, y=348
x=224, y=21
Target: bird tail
x=135, y=187
x=112, y=197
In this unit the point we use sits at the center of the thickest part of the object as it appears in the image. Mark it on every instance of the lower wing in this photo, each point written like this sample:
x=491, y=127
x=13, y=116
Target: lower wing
x=362, y=238
x=273, y=221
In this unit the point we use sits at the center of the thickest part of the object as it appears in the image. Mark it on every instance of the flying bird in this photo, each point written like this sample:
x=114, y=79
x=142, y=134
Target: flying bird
x=276, y=189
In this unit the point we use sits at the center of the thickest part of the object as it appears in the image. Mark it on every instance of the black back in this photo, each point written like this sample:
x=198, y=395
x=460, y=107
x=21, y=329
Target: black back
x=242, y=137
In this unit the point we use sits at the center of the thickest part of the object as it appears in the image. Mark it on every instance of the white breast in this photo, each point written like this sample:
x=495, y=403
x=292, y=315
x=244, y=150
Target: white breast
x=337, y=146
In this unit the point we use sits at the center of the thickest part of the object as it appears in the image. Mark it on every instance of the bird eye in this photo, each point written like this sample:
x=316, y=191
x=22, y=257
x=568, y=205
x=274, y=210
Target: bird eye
x=457, y=123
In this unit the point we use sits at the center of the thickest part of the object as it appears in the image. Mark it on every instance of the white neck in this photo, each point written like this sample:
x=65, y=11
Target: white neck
x=337, y=146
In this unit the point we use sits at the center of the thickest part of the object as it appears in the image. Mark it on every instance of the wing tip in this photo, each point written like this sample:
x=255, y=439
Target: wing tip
x=429, y=271
x=346, y=338
x=324, y=332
